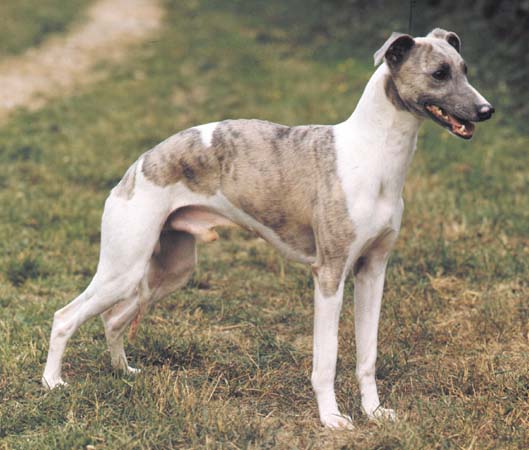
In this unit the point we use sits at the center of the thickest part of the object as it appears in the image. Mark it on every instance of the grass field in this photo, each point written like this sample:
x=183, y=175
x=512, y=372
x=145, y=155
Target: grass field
x=226, y=361
x=26, y=23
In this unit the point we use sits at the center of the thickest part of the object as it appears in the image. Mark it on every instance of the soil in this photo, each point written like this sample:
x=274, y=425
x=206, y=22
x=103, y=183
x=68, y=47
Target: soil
x=66, y=61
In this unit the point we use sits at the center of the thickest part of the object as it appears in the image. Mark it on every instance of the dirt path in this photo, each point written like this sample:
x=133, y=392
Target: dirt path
x=65, y=61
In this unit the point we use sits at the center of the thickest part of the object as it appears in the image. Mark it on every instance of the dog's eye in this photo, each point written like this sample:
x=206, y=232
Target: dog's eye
x=441, y=74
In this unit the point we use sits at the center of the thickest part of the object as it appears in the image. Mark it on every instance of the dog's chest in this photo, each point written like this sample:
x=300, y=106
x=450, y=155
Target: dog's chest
x=372, y=174
x=374, y=212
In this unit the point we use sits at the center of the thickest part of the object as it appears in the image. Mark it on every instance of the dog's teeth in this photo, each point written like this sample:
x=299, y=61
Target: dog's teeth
x=461, y=129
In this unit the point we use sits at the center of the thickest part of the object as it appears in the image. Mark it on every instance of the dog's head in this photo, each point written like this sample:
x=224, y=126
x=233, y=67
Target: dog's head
x=428, y=78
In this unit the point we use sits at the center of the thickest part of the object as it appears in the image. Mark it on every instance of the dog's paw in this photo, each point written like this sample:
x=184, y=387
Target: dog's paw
x=337, y=422
x=383, y=414
x=120, y=365
x=53, y=383
x=132, y=370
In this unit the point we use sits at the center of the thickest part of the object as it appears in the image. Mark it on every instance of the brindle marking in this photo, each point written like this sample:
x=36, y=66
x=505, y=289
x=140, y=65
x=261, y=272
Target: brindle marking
x=284, y=177
x=183, y=157
x=393, y=94
x=449, y=36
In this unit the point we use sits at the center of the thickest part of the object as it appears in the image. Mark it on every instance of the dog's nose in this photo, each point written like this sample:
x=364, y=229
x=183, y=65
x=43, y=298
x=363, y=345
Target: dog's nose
x=485, y=111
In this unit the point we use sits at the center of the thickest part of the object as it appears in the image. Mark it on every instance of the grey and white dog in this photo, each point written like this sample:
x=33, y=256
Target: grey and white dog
x=328, y=196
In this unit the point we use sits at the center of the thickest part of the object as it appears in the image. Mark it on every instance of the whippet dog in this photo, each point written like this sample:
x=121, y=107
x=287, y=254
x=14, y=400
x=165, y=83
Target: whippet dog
x=327, y=196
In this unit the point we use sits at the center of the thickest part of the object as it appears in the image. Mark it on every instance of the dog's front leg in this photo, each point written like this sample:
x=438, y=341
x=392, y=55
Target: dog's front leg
x=327, y=305
x=369, y=284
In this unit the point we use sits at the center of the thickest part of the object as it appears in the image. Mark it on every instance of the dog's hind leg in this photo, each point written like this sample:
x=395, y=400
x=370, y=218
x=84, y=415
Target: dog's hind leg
x=169, y=268
x=129, y=232
x=115, y=321
x=97, y=298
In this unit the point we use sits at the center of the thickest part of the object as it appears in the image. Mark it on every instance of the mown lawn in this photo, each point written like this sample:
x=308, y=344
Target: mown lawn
x=27, y=23
x=226, y=361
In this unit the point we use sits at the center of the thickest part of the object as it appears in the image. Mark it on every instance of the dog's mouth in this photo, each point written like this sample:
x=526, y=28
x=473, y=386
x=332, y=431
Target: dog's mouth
x=458, y=126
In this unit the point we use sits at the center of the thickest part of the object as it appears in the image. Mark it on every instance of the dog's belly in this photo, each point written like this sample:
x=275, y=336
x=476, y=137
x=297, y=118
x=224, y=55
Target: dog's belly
x=279, y=223
x=296, y=242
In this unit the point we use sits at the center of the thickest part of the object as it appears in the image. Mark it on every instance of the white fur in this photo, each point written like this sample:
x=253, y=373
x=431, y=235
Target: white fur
x=206, y=132
x=326, y=318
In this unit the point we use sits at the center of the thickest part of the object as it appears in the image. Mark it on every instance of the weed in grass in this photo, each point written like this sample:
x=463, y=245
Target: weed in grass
x=21, y=269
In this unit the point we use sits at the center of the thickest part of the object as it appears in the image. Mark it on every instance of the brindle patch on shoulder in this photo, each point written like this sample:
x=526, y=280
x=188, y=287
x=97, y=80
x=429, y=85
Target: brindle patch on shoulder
x=125, y=187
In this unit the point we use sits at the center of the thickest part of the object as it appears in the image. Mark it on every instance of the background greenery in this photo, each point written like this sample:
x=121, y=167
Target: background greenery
x=226, y=361
x=495, y=31
x=26, y=23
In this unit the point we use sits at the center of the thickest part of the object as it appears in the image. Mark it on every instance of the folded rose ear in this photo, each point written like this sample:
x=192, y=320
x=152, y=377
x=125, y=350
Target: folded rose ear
x=395, y=50
x=448, y=36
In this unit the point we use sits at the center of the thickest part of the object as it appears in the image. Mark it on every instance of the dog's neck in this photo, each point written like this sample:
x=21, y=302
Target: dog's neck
x=376, y=109
x=387, y=133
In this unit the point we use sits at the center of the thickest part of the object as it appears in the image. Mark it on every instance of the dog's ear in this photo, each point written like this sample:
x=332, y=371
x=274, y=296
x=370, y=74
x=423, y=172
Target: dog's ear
x=449, y=36
x=395, y=50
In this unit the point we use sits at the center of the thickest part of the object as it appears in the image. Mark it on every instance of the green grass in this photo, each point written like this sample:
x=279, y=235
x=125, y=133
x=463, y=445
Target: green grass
x=226, y=361
x=26, y=23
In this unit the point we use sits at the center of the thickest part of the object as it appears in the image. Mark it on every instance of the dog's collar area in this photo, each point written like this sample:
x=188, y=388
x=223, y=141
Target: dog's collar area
x=458, y=126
